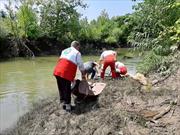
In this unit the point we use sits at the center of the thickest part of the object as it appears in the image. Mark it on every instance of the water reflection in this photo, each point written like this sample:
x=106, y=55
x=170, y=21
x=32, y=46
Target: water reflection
x=12, y=107
x=23, y=82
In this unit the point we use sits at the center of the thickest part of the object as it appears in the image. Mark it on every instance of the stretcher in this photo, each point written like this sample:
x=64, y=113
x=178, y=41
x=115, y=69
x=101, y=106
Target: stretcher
x=83, y=89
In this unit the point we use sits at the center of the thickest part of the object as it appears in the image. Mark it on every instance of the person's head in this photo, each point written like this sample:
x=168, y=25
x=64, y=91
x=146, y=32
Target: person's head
x=95, y=63
x=123, y=70
x=75, y=44
x=104, y=49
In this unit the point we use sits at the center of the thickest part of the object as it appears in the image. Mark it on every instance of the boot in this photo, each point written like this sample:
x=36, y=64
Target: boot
x=67, y=107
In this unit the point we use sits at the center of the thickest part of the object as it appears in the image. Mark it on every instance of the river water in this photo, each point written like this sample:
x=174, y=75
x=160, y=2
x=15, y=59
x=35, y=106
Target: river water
x=23, y=82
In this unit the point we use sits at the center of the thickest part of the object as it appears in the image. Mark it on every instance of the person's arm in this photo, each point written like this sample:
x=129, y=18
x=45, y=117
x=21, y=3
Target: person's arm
x=96, y=69
x=81, y=65
x=100, y=63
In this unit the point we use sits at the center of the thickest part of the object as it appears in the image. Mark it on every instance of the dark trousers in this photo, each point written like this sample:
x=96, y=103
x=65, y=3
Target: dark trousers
x=92, y=72
x=64, y=87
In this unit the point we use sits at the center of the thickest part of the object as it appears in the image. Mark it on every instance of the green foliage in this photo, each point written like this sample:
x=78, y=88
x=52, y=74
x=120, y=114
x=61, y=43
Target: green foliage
x=27, y=21
x=96, y=30
x=157, y=63
x=84, y=30
x=125, y=25
x=106, y=30
x=154, y=18
x=153, y=27
x=3, y=31
x=100, y=28
x=113, y=36
x=10, y=21
x=59, y=19
x=150, y=62
x=156, y=30
x=176, y=32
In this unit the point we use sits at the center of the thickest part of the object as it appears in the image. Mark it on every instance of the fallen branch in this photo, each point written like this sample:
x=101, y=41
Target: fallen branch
x=172, y=112
x=154, y=121
x=160, y=80
x=167, y=101
x=162, y=113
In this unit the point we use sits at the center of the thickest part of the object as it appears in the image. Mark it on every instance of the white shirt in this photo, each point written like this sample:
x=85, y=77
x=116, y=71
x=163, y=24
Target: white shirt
x=106, y=53
x=74, y=56
x=119, y=64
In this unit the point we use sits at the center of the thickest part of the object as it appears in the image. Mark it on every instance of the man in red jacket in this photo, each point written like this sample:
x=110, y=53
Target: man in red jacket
x=65, y=72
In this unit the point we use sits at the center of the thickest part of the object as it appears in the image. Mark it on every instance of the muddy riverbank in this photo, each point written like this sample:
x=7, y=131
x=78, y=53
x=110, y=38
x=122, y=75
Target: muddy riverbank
x=125, y=107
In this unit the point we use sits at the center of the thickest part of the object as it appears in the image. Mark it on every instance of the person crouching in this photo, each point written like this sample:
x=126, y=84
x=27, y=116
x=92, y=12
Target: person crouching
x=121, y=69
x=90, y=68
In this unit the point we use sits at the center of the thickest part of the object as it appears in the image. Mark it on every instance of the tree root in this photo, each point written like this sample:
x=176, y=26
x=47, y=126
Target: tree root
x=161, y=80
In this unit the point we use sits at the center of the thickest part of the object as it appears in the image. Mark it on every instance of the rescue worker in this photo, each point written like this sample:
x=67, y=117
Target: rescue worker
x=90, y=68
x=120, y=69
x=65, y=72
x=108, y=58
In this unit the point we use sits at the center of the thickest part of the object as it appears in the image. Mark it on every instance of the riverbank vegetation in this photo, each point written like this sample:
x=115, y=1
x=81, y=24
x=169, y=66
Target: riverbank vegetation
x=157, y=31
x=40, y=27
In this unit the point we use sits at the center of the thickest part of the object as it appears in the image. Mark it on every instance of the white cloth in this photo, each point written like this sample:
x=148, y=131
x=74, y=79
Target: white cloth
x=74, y=56
x=106, y=53
x=119, y=64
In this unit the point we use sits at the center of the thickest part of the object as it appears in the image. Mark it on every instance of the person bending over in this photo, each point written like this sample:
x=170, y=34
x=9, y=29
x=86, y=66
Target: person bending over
x=108, y=58
x=90, y=68
x=121, y=69
x=65, y=72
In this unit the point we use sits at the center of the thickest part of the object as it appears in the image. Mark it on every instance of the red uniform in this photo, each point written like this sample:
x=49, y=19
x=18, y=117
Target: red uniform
x=109, y=58
x=67, y=64
x=65, y=72
x=120, y=69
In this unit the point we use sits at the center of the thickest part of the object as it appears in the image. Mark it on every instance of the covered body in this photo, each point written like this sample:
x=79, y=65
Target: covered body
x=85, y=89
